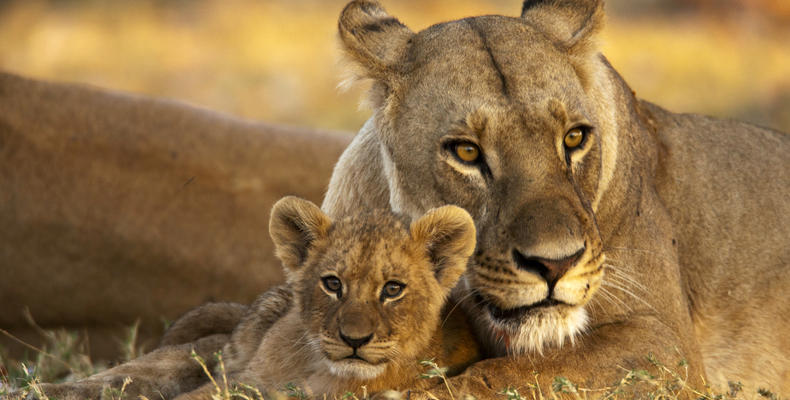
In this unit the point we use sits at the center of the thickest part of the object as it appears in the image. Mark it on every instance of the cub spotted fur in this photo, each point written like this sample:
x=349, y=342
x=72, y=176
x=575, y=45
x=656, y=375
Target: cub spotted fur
x=368, y=294
x=366, y=300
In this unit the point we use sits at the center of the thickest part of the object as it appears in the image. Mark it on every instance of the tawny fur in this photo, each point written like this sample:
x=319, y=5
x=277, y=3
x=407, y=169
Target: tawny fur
x=683, y=218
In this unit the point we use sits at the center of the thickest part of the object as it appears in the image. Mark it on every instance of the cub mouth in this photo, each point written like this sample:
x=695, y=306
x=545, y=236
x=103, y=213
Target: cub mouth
x=356, y=367
x=514, y=315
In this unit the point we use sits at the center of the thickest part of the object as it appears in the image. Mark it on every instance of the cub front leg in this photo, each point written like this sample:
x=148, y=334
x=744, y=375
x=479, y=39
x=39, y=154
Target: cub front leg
x=170, y=369
x=205, y=320
x=243, y=343
x=599, y=360
x=261, y=315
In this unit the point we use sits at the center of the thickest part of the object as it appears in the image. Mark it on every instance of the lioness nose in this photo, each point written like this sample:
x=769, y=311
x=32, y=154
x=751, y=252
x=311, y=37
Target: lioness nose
x=356, y=342
x=550, y=270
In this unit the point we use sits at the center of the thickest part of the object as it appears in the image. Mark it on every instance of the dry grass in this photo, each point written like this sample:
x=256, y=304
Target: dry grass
x=661, y=381
x=275, y=60
x=64, y=359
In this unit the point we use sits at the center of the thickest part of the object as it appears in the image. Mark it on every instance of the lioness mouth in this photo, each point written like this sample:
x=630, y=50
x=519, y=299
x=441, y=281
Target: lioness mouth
x=355, y=357
x=514, y=314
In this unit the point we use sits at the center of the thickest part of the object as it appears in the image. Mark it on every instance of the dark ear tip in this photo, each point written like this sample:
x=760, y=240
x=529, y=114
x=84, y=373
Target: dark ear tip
x=529, y=4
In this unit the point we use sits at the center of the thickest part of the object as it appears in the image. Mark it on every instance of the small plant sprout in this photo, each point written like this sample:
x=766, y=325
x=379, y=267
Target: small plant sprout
x=435, y=371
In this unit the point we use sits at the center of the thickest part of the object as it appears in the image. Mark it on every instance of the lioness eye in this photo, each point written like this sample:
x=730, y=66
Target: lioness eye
x=332, y=284
x=467, y=152
x=391, y=290
x=574, y=138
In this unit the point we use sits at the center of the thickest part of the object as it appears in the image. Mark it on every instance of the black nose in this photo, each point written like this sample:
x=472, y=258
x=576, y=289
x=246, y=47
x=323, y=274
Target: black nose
x=550, y=270
x=356, y=342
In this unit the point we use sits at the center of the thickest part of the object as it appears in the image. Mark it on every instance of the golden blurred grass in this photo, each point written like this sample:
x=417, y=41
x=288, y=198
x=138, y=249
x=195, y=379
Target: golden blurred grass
x=276, y=60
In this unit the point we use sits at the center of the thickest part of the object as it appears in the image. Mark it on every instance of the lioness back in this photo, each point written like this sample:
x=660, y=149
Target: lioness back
x=728, y=197
x=368, y=294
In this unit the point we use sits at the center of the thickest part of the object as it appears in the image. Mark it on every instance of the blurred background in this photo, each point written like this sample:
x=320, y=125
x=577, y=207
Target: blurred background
x=277, y=60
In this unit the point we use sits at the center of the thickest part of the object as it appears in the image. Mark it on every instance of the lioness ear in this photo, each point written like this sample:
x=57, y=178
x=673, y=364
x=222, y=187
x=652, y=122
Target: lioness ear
x=573, y=24
x=294, y=225
x=372, y=38
x=448, y=235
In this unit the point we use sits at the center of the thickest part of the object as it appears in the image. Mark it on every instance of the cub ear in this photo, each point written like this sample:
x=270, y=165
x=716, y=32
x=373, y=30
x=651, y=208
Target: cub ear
x=373, y=39
x=295, y=224
x=448, y=235
x=573, y=24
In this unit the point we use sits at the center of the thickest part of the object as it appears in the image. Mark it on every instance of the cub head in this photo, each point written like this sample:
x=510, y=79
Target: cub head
x=511, y=118
x=371, y=288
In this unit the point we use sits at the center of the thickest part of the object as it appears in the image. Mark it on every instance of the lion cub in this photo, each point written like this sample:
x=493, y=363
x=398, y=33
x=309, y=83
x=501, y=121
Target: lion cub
x=368, y=301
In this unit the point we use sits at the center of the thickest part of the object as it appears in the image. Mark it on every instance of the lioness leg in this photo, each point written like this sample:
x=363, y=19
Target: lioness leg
x=602, y=358
x=202, y=393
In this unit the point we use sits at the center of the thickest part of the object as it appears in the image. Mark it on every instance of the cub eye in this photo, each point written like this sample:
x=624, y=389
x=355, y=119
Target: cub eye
x=332, y=284
x=466, y=151
x=574, y=138
x=391, y=290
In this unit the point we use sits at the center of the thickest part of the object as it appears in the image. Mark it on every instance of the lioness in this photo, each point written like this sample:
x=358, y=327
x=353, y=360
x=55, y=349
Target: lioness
x=608, y=227
x=366, y=299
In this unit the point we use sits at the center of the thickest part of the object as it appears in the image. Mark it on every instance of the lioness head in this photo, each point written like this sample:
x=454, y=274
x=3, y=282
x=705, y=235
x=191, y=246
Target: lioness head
x=511, y=119
x=369, y=289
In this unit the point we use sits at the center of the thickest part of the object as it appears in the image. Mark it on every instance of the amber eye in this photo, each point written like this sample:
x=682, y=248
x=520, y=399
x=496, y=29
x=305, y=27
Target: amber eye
x=332, y=284
x=574, y=138
x=467, y=152
x=391, y=290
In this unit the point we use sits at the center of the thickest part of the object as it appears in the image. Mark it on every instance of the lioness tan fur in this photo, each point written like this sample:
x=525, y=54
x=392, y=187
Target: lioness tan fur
x=116, y=207
x=608, y=227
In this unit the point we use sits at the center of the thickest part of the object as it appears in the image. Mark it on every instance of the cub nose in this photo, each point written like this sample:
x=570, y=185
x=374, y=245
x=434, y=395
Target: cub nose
x=549, y=269
x=356, y=343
